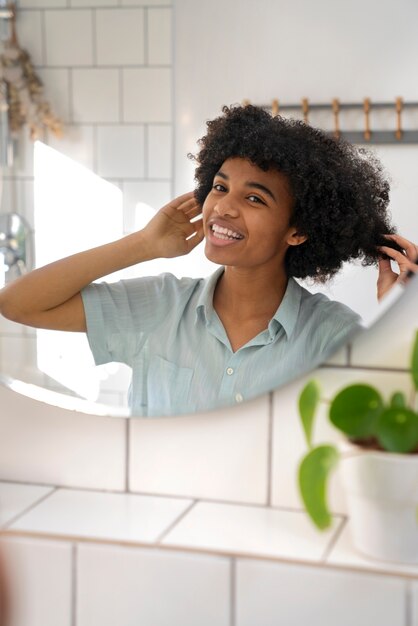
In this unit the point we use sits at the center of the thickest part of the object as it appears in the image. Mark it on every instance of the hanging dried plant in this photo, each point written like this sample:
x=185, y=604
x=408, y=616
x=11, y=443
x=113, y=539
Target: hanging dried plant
x=25, y=90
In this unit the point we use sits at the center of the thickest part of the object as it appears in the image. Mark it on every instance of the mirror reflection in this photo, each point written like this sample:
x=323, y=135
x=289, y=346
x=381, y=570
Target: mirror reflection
x=275, y=201
x=205, y=337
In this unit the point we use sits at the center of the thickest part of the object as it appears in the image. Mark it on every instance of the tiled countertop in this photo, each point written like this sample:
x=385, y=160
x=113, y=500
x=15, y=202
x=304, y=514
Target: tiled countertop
x=234, y=530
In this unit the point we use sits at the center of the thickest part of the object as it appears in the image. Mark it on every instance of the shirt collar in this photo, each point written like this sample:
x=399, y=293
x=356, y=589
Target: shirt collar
x=286, y=314
x=205, y=300
x=288, y=311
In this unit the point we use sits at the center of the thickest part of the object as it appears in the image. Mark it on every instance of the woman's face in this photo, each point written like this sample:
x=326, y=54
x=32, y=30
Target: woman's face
x=246, y=216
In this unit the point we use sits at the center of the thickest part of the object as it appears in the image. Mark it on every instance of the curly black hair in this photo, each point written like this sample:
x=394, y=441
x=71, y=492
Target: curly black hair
x=340, y=191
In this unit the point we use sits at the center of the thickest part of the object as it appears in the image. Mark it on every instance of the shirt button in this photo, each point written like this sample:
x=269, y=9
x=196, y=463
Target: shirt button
x=229, y=371
x=238, y=397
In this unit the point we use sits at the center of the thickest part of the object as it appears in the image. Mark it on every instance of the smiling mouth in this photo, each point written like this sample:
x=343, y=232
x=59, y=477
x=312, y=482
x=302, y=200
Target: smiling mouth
x=220, y=232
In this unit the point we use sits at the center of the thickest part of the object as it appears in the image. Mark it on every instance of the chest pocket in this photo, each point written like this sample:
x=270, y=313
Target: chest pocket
x=168, y=387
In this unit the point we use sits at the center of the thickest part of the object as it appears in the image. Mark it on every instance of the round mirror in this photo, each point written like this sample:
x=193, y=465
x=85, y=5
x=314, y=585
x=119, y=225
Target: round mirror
x=81, y=201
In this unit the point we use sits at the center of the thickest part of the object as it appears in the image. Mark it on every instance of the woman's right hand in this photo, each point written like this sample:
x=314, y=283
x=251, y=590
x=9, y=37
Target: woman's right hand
x=171, y=232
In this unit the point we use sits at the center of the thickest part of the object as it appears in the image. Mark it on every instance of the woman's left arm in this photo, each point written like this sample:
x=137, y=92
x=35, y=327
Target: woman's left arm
x=406, y=261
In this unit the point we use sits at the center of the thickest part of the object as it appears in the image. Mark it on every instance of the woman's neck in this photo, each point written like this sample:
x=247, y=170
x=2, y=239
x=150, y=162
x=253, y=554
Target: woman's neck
x=247, y=294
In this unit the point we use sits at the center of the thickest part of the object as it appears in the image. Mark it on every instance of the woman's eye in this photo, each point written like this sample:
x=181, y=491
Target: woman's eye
x=218, y=187
x=256, y=199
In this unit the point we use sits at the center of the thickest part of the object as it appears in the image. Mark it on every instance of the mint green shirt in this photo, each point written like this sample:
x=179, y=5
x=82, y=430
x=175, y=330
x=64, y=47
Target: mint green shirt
x=168, y=332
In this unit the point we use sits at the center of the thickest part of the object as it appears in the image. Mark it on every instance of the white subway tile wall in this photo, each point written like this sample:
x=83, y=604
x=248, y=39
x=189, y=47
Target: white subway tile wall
x=267, y=594
x=120, y=151
x=151, y=587
x=106, y=71
x=40, y=580
x=127, y=29
x=167, y=456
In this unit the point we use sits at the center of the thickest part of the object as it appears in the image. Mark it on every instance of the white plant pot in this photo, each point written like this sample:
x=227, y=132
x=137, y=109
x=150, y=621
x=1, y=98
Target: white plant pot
x=382, y=500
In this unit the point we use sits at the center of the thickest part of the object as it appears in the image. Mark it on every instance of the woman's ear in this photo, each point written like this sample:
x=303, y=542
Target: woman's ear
x=295, y=239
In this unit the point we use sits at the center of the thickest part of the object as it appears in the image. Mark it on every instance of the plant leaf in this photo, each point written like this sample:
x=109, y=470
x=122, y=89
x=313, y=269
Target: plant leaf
x=356, y=409
x=414, y=362
x=398, y=400
x=308, y=402
x=397, y=430
x=313, y=474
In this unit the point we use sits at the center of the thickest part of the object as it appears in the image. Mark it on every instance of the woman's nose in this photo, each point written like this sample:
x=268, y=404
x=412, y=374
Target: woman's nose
x=225, y=206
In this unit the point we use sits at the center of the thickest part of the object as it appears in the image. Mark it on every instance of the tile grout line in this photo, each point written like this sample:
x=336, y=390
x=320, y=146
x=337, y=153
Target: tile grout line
x=175, y=522
x=29, y=508
x=74, y=565
x=408, y=603
x=348, y=355
x=233, y=592
x=43, y=38
x=329, y=548
x=127, y=454
x=94, y=36
x=270, y=450
x=146, y=36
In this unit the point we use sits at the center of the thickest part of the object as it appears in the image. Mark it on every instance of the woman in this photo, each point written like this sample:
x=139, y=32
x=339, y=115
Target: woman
x=275, y=200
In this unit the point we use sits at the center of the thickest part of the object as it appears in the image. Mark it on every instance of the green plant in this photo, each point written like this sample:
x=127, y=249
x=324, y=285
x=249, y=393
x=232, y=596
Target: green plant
x=360, y=412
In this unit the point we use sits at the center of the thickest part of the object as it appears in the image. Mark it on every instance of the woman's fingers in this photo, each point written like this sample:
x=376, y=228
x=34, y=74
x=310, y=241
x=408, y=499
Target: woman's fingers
x=197, y=236
x=177, y=203
x=410, y=248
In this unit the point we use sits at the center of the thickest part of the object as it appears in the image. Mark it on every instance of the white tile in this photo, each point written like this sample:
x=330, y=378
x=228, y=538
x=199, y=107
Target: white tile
x=414, y=604
x=159, y=37
x=120, y=36
x=245, y=530
x=18, y=357
x=94, y=3
x=344, y=553
x=16, y=497
x=388, y=342
x=268, y=594
x=98, y=515
x=160, y=151
x=154, y=194
x=40, y=579
x=221, y=455
x=339, y=358
x=128, y=587
x=289, y=444
x=18, y=198
x=120, y=151
x=23, y=156
x=77, y=143
x=42, y=4
x=128, y=3
x=68, y=37
x=45, y=444
x=95, y=95
x=147, y=95
x=29, y=32
x=57, y=91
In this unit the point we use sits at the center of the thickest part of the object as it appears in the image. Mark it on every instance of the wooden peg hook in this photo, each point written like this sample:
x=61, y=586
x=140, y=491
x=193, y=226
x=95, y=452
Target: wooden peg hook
x=366, y=109
x=305, y=110
x=275, y=108
x=336, y=112
x=398, y=107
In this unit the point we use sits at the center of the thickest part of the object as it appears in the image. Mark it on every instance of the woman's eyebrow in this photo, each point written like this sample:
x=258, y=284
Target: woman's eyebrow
x=261, y=188
x=249, y=184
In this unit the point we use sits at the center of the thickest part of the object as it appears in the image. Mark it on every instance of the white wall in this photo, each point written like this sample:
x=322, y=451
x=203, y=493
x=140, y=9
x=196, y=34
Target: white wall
x=290, y=49
x=107, y=72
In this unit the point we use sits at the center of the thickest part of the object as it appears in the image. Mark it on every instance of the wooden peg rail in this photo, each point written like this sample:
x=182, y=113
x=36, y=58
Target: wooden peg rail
x=368, y=135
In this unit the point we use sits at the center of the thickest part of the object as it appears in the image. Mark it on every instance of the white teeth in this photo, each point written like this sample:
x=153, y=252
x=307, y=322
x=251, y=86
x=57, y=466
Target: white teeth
x=221, y=231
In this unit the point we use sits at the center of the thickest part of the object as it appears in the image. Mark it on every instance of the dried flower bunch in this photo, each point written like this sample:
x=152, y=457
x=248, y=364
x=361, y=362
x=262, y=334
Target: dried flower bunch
x=24, y=89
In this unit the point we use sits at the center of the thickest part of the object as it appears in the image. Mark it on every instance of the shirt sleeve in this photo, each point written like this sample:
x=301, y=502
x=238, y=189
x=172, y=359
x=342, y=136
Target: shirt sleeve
x=120, y=316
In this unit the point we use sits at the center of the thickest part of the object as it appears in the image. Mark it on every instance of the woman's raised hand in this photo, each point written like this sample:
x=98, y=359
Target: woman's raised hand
x=171, y=231
x=406, y=261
